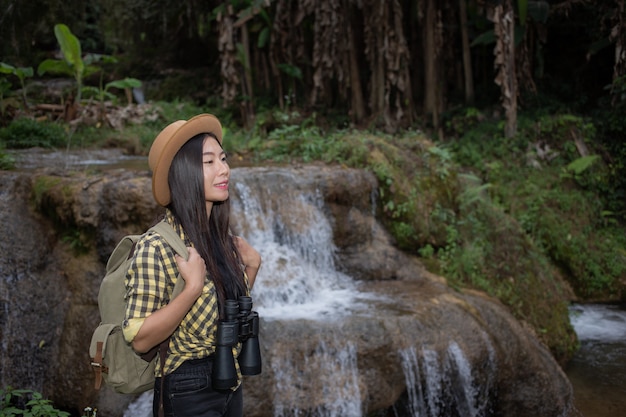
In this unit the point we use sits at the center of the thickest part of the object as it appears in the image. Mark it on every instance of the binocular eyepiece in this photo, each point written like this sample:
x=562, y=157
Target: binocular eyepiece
x=240, y=324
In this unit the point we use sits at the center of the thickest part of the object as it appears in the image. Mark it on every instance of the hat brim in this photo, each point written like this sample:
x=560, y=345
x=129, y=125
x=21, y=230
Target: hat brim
x=169, y=142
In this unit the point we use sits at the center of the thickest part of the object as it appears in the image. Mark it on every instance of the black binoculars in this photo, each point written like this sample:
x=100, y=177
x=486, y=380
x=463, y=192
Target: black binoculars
x=240, y=324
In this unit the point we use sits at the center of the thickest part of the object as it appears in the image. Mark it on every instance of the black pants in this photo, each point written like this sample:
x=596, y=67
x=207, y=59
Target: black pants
x=187, y=392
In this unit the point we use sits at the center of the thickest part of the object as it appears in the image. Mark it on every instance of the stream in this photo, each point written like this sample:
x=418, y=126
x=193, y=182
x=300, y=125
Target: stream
x=598, y=370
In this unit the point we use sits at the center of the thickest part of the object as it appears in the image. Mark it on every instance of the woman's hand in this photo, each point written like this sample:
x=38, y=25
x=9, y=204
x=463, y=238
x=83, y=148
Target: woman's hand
x=159, y=325
x=192, y=270
x=250, y=258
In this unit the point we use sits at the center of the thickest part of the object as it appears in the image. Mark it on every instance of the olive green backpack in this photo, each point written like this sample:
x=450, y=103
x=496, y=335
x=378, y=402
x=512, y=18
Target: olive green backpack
x=112, y=359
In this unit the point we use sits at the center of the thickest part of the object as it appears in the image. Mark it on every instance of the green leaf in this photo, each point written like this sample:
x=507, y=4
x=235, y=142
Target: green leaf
x=522, y=10
x=263, y=37
x=55, y=66
x=6, y=68
x=21, y=72
x=123, y=84
x=70, y=46
x=484, y=38
x=579, y=165
x=91, y=69
x=25, y=72
x=598, y=46
x=291, y=70
x=5, y=86
x=539, y=11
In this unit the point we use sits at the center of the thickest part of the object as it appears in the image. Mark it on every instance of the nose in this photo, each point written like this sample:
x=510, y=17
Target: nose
x=224, y=168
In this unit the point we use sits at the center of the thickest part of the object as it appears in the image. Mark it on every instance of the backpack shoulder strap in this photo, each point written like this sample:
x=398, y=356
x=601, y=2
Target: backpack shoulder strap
x=164, y=229
x=171, y=236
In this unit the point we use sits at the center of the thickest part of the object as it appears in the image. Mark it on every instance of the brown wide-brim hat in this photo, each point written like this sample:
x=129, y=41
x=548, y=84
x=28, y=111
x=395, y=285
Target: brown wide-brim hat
x=168, y=143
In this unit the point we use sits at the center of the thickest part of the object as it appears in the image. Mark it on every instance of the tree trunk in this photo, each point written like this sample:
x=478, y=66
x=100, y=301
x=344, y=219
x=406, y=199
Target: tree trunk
x=228, y=59
x=618, y=34
x=467, y=59
x=504, y=28
x=375, y=45
x=431, y=73
x=356, y=93
x=247, y=105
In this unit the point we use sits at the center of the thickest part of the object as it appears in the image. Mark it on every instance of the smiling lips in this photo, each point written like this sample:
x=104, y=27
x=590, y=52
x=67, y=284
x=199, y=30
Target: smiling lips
x=222, y=185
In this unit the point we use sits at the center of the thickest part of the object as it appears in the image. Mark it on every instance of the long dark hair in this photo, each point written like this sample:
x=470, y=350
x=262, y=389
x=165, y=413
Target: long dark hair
x=210, y=234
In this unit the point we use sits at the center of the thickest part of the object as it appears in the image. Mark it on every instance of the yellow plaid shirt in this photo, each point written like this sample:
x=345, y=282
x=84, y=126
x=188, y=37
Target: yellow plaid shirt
x=149, y=284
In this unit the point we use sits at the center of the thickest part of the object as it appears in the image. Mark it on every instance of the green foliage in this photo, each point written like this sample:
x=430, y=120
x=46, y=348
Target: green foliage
x=5, y=87
x=611, y=126
x=72, y=63
x=27, y=403
x=123, y=84
x=580, y=165
x=75, y=239
x=28, y=133
x=485, y=248
x=78, y=66
x=7, y=161
x=528, y=211
x=104, y=93
x=21, y=73
x=291, y=138
x=458, y=123
x=552, y=192
x=290, y=70
x=42, y=185
x=136, y=138
x=183, y=110
x=617, y=89
x=568, y=224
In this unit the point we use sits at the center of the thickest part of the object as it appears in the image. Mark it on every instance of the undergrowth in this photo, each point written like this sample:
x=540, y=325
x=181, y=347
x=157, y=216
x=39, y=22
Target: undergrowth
x=27, y=403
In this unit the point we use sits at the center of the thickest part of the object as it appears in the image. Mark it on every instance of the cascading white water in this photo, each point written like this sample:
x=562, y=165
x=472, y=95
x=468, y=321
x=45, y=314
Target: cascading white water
x=415, y=391
x=466, y=395
x=598, y=369
x=337, y=387
x=298, y=278
x=445, y=387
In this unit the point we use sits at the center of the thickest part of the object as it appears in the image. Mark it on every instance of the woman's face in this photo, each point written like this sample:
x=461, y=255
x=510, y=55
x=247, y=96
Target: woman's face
x=216, y=172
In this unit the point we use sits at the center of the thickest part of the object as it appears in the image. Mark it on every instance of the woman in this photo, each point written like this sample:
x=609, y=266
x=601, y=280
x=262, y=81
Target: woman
x=190, y=178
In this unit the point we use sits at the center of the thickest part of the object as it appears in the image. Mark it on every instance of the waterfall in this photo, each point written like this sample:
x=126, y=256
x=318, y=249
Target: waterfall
x=446, y=387
x=336, y=390
x=598, y=369
x=298, y=278
x=417, y=405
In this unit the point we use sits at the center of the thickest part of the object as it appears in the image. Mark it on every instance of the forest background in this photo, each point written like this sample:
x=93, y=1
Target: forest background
x=495, y=128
